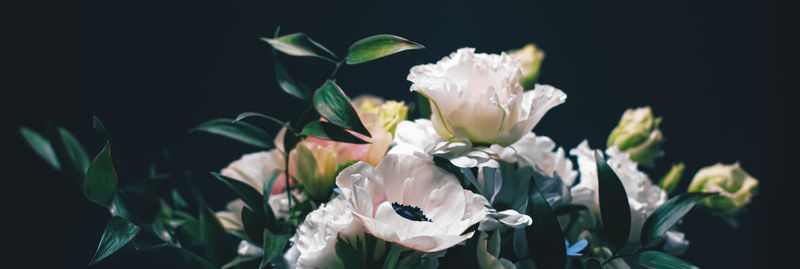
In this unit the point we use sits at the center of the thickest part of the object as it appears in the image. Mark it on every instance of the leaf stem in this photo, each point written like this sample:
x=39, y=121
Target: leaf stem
x=335, y=69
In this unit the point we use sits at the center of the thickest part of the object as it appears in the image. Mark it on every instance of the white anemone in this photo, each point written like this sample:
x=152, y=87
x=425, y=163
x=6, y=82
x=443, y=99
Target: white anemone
x=411, y=202
x=477, y=96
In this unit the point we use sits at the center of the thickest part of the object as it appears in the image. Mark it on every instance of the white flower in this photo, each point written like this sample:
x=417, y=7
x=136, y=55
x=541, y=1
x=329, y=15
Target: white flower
x=420, y=138
x=477, y=96
x=254, y=169
x=643, y=196
x=314, y=243
x=231, y=217
x=411, y=202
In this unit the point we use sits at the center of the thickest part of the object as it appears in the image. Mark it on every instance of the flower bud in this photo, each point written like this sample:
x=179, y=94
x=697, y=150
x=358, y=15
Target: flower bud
x=530, y=58
x=390, y=113
x=672, y=178
x=637, y=134
x=734, y=186
x=316, y=168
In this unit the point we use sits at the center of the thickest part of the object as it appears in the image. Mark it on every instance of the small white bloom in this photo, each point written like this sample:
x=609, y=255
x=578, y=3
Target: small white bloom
x=643, y=196
x=510, y=218
x=411, y=202
x=314, y=243
x=477, y=97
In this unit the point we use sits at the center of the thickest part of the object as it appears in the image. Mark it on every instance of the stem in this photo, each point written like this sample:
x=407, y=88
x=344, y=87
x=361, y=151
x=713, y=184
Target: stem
x=391, y=259
x=288, y=187
x=335, y=69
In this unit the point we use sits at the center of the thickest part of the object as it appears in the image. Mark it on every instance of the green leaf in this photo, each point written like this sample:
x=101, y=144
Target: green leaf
x=251, y=197
x=345, y=165
x=667, y=215
x=289, y=83
x=299, y=44
x=100, y=185
x=330, y=131
x=592, y=263
x=41, y=146
x=239, y=260
x=117, y=233
x=218, y=246
x=661, y=260
x=253, y=226
x=545, y=237
x=378, y=46
x=75, y=152
x=100, y=128
x=424, y=106
x=273, y=247
x=331, y=102
x=614, y=208
x=447, y=165
x=237, y=130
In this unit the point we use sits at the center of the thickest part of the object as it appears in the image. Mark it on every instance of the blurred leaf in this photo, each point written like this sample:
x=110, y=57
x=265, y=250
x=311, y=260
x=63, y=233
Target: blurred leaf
x=378, y=46
x=614, y=208
x=251, y=197
x=592, y=263
x=672, y=178
x=101, y=178
x=239, y=260
x=273, y=247
x=253, y=226
x=331, y=102
x=345, y=165
x=237, y=130
x=661, y=260
x=41, y=146
x=76, y=154
x=117, y=233
x=330, y=131
x=299, y=44
x=545, y=237
x=100, y=128
x=667, y=215
x=218, y=246
x=424, y=106
x=288, y=82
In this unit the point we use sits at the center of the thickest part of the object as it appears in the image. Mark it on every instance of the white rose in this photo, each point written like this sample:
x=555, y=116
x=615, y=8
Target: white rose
x=411, y=202
x=477, y=97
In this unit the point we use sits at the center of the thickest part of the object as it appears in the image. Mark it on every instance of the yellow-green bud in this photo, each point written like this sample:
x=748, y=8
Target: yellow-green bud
x=390, y=113
x=530, y=58
x=672, y=178
x=317, y=167
x=734, y=186
x=637, y=134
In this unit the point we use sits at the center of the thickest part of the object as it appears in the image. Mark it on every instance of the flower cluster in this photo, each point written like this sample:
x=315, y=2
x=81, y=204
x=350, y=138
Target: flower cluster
x=359, y=184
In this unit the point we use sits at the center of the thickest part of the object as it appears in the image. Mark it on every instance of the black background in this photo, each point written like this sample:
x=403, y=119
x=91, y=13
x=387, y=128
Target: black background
x=718, y=72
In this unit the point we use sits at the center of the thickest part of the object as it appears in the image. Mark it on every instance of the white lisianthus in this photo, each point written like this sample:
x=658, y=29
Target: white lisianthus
x=477, y=97
x=411, y=202
x=314, y=243
x=643, y=196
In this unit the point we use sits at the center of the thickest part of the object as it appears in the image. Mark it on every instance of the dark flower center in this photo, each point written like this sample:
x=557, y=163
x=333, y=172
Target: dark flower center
x=409, y=212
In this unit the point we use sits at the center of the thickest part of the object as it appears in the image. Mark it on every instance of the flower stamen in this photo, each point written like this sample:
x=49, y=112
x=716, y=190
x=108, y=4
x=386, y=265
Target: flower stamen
x=409, y=212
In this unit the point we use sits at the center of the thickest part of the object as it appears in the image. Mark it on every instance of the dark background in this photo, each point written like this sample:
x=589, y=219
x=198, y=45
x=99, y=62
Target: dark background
x=718, y=72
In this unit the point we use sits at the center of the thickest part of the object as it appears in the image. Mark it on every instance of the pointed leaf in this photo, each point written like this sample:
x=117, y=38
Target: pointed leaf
x=615, y=211
x=288, y=82
x=100, y=185
x=299, y=44
x=117, y=233
x=545, y=237
x=100, y=128
x=237, y=130
x=75, y=152
x=273, y=247
x=331, y=102
x=218, y=246
x=251, y=197
x=330, y=131
x=41, y=146
x=661, y=260
x=667, y=215
x=378, y=46
x=239, y=260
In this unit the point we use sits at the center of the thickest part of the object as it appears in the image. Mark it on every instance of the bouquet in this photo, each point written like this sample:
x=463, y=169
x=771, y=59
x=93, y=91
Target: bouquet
x=454, y=179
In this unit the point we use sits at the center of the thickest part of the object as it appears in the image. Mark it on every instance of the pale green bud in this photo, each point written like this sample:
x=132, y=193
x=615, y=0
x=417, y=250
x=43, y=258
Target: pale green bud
x=672, y=178
x=530, y=58
x=637, y=134
x=317, y=167
x=734, y=187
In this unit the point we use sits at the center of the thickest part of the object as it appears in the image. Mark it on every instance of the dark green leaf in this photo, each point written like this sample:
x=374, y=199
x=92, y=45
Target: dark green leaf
x=218, y=246
x=348, y=254
x=378, y=46
x=101, y=178
x=331, y=102
x=273, y=247
x=345, y=165
x=237, y=130
x=245, y=115
x=118, y=232
x=330, y=131
x=41, y=146
x=299, y=44
x=75, y=152
x=661, y=260
x=545, y=237
x=448, y=166
x=100, y=128
x=251, y=197
x=614, y=208
x=592, y=263
x=239, y=260
x=289, y=83
x=667, y=215
x=424, y=106
x=253, y=226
